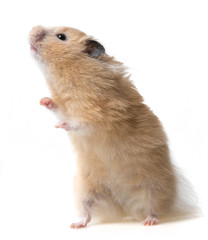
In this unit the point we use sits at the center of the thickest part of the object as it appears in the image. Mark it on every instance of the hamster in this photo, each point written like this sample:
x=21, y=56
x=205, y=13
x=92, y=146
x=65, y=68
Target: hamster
x=123, y=159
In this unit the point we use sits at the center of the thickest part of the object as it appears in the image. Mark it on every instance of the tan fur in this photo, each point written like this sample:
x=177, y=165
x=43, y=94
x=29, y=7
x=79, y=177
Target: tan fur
x=122, y=151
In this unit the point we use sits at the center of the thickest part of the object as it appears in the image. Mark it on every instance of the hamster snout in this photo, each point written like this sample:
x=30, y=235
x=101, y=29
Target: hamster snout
x=40, y=36
x=37, y=34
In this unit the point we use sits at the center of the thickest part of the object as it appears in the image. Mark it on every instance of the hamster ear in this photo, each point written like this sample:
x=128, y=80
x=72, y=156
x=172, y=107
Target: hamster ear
x=94, y=48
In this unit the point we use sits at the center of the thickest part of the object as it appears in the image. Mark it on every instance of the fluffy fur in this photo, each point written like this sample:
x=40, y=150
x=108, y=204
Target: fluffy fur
x=123, y=159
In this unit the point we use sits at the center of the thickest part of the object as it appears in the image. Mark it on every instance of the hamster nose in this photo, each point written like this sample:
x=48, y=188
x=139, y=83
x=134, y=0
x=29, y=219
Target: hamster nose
x=38, y=33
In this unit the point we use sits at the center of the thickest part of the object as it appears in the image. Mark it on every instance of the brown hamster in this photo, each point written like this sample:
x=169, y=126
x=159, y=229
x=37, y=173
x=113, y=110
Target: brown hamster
x=123, y=159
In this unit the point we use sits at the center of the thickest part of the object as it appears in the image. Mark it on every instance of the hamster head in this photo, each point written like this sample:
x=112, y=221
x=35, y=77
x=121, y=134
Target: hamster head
x=62, y=44
x=78, y=70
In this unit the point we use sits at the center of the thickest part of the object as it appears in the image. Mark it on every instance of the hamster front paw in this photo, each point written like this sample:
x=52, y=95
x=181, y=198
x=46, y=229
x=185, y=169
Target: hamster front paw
x=48, y=103
x=67, y=125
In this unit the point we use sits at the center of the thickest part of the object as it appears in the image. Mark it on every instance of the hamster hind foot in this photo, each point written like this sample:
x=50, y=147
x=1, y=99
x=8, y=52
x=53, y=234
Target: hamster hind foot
x=151, y=220
x=81, y=224
x=86, y=219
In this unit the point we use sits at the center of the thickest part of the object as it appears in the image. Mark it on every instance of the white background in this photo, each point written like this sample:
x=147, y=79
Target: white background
x=165, y=44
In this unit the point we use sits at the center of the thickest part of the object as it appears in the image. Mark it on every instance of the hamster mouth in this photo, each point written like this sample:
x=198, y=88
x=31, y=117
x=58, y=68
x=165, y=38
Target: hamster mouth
x=35, y=51
x=33, y=48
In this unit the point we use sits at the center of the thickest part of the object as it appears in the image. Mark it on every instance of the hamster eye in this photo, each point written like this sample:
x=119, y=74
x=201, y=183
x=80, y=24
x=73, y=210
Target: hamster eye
x=61, y=36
